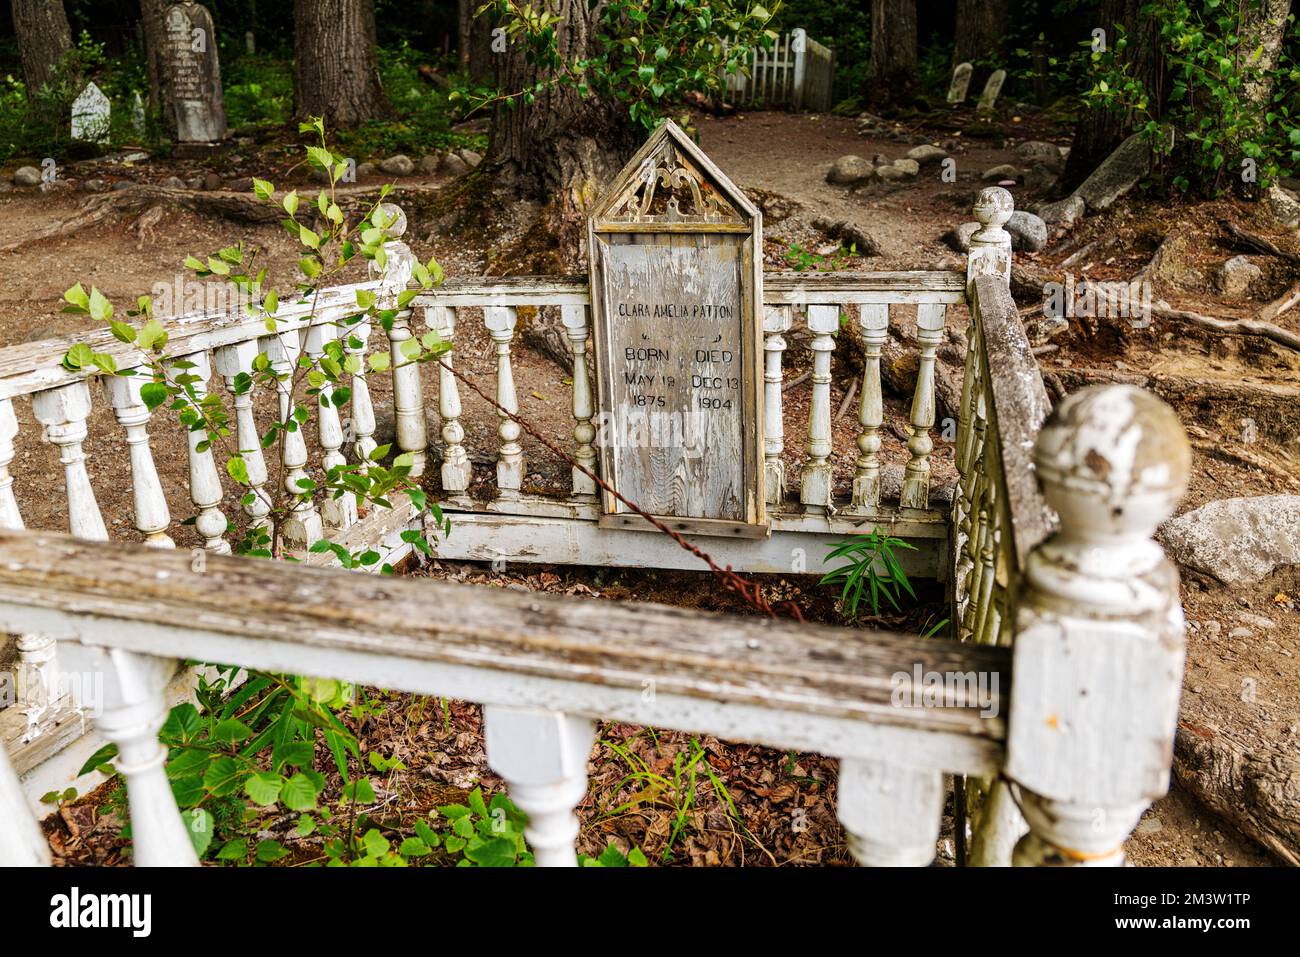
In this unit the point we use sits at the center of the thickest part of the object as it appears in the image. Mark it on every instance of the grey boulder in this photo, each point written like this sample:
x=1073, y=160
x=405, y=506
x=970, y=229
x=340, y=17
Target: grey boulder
x=848, y=170
x=399, y=165
x=1028, y=232
x=27, y=176
x=1239, y=541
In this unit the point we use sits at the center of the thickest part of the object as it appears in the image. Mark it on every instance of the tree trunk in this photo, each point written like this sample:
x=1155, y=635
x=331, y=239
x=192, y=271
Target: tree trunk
x=474, y=40
x=560, y=151
x=1100, y=130
x=891, y=73
x=44, y=39
x=334, y=72
x=1263, y=28
x=979, y=29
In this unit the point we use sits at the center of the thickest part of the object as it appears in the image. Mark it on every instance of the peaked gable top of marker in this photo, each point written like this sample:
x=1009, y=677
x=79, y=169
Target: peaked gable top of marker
x=670, y=180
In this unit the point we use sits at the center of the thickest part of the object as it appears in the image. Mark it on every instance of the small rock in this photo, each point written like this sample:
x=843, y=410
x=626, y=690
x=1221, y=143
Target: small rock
x=1039, y=179
x=927, y=155
x=173, y=182
x=1259, y=621
x=958, y=239
x=890, y=173
x=195, y=182
x=1241, y=633
x=908, y=167
x=453, y=165
x=429, y=164
x=122, y=184
x=848, y=170
x=471, y=157
x=240, y=184
x=27, y=176
x=1028, y=232
x=366, y=169
x=94, y=186
x=1045, y=154
x=211, y=181
x=1064, y=212
x=1236, y=276
x=1284, y=205
x=999, y=173
x=1239, y=541
x=1150, y=825
x=399, y=165
x=1213, y=628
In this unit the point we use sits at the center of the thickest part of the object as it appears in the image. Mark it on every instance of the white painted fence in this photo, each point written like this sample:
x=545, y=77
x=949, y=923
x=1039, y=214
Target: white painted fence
x=797, y=72
x=1090, y=613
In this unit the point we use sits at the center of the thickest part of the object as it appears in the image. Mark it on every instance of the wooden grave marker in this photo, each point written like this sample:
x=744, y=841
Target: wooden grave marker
x=676, y=280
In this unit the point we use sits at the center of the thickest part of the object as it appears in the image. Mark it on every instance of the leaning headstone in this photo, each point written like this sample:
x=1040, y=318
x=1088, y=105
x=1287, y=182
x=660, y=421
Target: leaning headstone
x=250, y=43
x=992, y=90
x=960, y=83
x=194, y=74
x=90, y=115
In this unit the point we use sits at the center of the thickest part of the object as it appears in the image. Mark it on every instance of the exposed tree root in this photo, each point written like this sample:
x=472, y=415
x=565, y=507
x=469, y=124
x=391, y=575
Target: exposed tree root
x=1232, y=327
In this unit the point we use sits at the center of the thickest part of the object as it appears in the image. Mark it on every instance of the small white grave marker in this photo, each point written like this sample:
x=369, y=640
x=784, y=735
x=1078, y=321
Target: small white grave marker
x=90, y=115
x=960, y=83
x=992, y=89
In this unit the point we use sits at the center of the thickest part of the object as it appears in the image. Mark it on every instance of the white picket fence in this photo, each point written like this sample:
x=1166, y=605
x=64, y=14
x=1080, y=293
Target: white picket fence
x=797, y=72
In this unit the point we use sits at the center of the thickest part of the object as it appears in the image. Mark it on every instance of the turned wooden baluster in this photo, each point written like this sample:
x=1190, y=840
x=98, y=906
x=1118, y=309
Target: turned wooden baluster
x=1099, y=638
x=205, y=480
x=574, y=318
x=990, y=245
x=230, y=362
x=303, y=527
x=356, y=341
x=37, y=673
x=777, y=321
x=151, y=513
x=542, y=756
x=134, y=709
x=916, y=478
x=337, y=513
x=63, y=412
x=815, y=482
x=456, y=469
x=9, y=514
x=891, y=813
x=22, y=844
x=874, y=320
x=500, y=321
x=408, y=394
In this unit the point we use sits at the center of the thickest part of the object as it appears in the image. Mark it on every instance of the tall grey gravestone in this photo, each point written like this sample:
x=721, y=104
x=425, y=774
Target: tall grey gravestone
x=960, y=83
x=676, y=287
x=992, y=89
x=194, y=74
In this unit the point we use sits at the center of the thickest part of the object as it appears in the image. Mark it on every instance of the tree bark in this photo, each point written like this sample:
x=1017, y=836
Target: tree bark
x=1263, y=28
x=474, y=40
x=334, y=71
x=1100, y=130
x=44, y=39
x=980, y=25
x=891, y=73
x=155, y=43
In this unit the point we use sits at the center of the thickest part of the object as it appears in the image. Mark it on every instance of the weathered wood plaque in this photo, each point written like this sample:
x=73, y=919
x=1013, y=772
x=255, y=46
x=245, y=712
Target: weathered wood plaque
x=676, y=282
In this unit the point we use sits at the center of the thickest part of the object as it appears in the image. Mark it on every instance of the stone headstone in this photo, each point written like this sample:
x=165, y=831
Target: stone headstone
x=960, y=83
x=676, y=279
x=250, y=43
x=992, y=90
x=137, y=113
x=90, y=115
x=193, y=74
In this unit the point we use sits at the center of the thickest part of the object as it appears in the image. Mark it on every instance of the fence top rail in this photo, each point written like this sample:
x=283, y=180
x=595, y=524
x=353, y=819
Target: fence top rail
x=279, y=613
x=36, y=366
x=1019, y=407
x=779, y=288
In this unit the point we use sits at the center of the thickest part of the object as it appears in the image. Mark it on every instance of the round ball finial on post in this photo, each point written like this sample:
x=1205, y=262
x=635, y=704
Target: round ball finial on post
x=990, y=245
x=1099, y=641
x=390, y=218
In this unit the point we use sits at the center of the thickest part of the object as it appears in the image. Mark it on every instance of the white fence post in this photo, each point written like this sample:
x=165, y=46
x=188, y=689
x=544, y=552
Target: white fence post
x=1098, y=650
x=542, y=755
x=891, y=813
x=21, y=842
